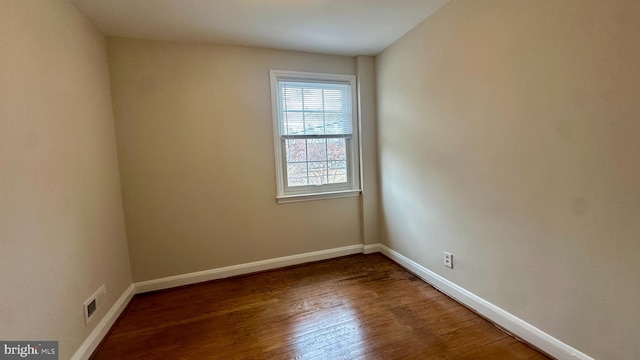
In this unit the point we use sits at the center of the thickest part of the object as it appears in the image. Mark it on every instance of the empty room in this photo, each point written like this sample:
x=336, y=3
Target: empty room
x=320, y=179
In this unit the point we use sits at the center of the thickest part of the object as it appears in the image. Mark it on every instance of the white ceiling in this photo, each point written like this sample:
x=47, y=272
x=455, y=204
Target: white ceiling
x=342, y=27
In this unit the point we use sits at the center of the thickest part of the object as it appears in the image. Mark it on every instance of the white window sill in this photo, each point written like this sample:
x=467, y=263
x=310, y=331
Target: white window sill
x=321, y=196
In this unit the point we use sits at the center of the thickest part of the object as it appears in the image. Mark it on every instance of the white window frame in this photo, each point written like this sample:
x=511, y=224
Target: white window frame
x=286, y=193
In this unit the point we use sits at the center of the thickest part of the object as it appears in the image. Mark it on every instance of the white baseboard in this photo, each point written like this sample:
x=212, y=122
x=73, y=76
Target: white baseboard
x=100, y=331
x=97, y=335
x=219, y=273
x=500, y=317
x=514, y=325
x=370, y=249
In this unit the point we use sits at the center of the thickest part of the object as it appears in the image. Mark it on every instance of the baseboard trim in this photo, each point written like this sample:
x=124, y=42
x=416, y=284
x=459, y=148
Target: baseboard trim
x=498, y=316
x=373, y=248
x=514, y=325
x=241, y=269
x=100, y=331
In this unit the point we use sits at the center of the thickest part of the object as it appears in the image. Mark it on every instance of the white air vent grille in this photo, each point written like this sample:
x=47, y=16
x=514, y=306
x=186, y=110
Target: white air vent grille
x=95, y=302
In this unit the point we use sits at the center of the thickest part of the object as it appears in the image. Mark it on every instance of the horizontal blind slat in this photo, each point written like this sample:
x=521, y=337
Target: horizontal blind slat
x=315, y=108
x=317, y=136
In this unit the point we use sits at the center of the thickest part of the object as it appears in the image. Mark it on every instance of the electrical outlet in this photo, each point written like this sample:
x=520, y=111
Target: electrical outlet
x=448, y=260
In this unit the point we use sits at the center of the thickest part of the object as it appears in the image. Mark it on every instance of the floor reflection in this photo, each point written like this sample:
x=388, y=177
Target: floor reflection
x=331, y=330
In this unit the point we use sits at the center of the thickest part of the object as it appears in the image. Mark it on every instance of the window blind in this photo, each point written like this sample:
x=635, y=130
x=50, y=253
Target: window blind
x=311, y=108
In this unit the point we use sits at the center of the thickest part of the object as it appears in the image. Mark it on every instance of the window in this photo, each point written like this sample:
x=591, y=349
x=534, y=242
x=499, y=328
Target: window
x=316, y=137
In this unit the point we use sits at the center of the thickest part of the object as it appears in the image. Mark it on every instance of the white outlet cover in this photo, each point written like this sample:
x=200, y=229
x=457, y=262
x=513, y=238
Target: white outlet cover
x=448, y=260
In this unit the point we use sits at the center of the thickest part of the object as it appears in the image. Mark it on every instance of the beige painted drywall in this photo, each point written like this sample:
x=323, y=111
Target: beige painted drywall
x=62, y=231
x=509, y=134
x=366, y=77
x=196, y=156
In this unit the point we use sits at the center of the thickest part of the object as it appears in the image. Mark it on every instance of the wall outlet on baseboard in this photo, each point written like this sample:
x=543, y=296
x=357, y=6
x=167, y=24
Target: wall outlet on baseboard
x=93, y=303
x=448, y=260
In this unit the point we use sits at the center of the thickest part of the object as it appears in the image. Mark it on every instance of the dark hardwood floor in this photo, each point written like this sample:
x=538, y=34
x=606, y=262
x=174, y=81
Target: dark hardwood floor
x=355, y=307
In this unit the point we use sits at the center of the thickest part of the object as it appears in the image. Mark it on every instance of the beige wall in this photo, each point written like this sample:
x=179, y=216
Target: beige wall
x=196, y=156
x=62, y=232
x=509, y=134
x=366, y=74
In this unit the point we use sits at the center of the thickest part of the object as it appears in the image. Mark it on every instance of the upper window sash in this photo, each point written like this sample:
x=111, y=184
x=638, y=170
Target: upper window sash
x=314, y=107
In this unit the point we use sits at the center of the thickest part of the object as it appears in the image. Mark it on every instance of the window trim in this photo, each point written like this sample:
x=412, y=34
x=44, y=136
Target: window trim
x=287, y=194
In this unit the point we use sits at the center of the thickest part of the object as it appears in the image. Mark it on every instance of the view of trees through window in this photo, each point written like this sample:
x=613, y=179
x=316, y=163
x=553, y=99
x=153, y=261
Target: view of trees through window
x=316, y=161
x=316, y=124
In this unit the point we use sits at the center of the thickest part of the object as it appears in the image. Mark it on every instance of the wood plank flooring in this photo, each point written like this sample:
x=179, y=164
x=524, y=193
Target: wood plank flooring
x=355, y=307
